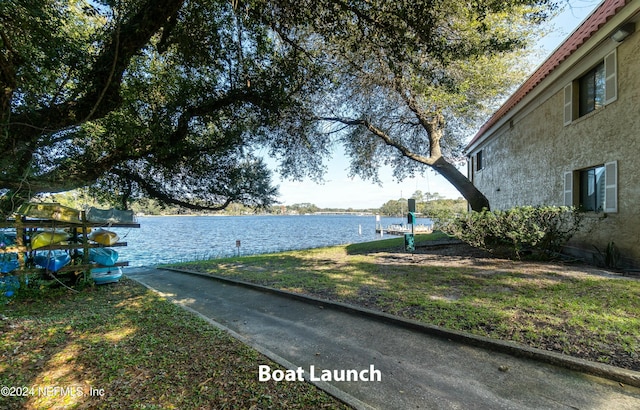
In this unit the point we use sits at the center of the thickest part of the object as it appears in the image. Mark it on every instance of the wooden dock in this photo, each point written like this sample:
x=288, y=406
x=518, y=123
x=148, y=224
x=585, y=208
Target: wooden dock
x=402, y=229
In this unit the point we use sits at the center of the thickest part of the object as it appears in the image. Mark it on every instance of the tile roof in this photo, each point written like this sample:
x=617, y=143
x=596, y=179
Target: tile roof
x=592, y=24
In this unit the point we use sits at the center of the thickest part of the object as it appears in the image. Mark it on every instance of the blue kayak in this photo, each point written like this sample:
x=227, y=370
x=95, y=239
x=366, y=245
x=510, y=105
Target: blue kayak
x=52, y=261
x=106, y=275
x=103, y=256
x=8, y=285
x=9, y=266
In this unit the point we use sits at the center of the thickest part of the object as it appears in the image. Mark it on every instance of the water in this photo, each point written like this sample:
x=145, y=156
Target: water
x=182, y=238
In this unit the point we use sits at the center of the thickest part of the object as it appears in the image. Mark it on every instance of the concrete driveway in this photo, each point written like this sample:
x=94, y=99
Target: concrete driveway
x=390, y=366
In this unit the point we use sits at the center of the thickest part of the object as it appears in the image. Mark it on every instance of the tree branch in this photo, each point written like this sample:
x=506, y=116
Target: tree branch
x=164, y=197
x=406, y=152
x=104, y=79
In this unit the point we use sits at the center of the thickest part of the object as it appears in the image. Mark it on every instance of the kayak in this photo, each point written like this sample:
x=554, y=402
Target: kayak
x=103, y=256
x=79, y=230
x=52, y=261
x=7, y=239
x=9, y=266
x=53, y=211
x=104, y=237
x=47, y=238
x=112, y=215
x=106, y=275
x=8, y=285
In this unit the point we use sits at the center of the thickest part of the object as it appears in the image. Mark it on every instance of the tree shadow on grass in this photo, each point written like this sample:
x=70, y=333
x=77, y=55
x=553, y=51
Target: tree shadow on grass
x=122, y=346
x=535, y=303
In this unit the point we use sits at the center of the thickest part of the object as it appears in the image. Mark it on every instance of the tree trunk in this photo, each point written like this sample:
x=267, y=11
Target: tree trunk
x=435, y=130
x=477, y=200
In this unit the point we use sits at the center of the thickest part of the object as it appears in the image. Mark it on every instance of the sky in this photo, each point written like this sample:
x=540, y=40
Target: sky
x=340, y=191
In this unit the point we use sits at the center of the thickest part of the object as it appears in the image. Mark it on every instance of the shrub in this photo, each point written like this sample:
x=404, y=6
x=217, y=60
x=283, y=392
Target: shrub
x=527, y=230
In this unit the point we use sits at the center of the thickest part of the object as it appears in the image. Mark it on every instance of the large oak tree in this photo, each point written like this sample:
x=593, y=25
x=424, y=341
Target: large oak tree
x=169, y=98
x=411, y=79
x=149, y=97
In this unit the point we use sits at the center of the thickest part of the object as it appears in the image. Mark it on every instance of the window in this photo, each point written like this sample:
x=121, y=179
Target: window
x=593, y=189
x=591, y=90
x=594, y=89
x=479, y=164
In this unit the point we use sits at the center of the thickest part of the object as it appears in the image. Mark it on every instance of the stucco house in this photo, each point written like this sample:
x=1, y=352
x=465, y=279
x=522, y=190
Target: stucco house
x=570, y=135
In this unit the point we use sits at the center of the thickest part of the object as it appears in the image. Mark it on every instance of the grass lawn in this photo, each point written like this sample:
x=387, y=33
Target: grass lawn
x=136, y=351
x=574, y=310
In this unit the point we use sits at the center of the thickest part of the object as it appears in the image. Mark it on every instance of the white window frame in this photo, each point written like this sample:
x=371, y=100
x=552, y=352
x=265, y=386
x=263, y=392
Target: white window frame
x=610, y=188
x=571, y=91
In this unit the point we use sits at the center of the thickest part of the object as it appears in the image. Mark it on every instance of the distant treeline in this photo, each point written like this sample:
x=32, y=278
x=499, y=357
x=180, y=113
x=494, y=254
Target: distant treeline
x=427, y=204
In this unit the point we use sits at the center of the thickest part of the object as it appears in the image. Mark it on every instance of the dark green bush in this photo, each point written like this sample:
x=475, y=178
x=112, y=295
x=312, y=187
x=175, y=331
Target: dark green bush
x=527, y=230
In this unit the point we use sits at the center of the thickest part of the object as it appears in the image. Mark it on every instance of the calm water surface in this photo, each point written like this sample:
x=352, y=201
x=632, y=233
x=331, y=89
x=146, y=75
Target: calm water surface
x=182, y=238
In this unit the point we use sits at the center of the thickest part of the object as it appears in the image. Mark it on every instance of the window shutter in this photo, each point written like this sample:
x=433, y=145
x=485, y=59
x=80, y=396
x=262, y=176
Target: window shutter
x=568, y=189
x=611, y=186
x=611, y=78
x=568, y=104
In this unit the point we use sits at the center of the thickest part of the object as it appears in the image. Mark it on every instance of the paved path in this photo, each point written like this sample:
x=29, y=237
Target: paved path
x=417, y=371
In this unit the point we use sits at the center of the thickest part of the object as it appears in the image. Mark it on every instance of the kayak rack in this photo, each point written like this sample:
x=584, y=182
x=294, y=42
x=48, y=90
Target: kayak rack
x=78, y=229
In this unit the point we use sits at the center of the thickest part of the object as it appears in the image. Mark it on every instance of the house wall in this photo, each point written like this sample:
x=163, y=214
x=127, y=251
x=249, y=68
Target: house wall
x=525, y=159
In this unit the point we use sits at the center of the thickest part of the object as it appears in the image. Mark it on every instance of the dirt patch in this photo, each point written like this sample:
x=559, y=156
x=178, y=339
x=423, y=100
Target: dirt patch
x=461, y=255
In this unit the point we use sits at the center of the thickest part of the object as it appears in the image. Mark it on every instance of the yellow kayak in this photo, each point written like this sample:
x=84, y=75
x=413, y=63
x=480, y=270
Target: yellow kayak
x=47, y=238
x=53, y=211
x=104, y=237
x=79, y=230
